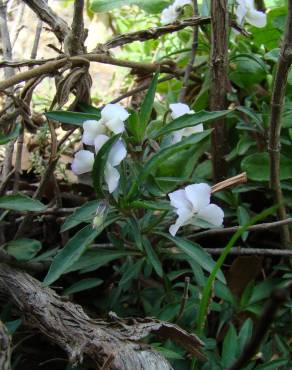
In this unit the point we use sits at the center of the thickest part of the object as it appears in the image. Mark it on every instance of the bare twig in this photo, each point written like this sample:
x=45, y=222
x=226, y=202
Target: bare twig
x=5, y=181
x=8, y=73
x=219, y=78
x=46, y=14
x=74, y=42
x=230, y=230
x=84, y=59
x=238, y=251
x=184, y=299
x=278, y=298
x=277, y=104
x=191, y=61
x=29, y=266
x=235, y=180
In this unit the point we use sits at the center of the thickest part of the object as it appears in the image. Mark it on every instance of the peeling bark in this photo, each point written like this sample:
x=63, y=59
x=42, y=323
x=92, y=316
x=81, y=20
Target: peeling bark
x=67, y=325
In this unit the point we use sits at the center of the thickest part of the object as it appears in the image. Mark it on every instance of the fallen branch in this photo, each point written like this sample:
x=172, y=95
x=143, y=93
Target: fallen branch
x=67, y=325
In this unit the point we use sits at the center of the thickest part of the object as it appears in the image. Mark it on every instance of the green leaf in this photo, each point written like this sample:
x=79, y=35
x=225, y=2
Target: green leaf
x=162, y=155
x=152, y=6
x=73, y=118
x=158, y=205
x=152, y=257
x=21, y=202
x=4, y=139
x=230, y=347
x=196, y=253
x=243, y=218
x=245, y=334
x=147, y=106
x=99, y=165
x=190, y=120
x=71, y=252
x=96, y=258
x=257, y=167
x=81, y=285
x=132, y=272
x=249, y=70
x=84, y=213
x=87, y=108
x=23, y=249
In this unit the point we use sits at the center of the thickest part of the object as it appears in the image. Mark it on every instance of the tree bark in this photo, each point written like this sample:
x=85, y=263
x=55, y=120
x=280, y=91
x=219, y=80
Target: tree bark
x=219, y=79
x=67, y=325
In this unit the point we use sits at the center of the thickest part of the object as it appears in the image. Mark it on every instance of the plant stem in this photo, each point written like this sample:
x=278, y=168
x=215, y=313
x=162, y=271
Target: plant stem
x=277, y=104
x=219, y=79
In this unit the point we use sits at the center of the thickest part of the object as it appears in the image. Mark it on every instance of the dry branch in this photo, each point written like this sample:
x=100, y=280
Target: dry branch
x=219, y=78
x=277, y=105
x=47, y=15
x=67, y=325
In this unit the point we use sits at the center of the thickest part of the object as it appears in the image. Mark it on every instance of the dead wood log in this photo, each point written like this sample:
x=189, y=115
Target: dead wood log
x=67, y=325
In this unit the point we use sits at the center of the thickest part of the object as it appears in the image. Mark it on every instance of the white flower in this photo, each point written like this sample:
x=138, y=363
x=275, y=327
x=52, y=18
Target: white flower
x=193, y=203
x=82, y=162
x=99, y=141
x=112, y=119
x=171, y=13
x=178, y=110
x=84, y=159
x=246, y=11
x=117, y=153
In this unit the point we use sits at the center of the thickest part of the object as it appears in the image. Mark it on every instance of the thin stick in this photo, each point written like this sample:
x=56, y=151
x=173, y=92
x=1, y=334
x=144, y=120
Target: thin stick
x=191, y=61
x=277, y=104
x=230, y=230
x=238, y=251
x=219, y=78
x=235, y=180
x=278, y=298
x=184, y=299
x=74, y=42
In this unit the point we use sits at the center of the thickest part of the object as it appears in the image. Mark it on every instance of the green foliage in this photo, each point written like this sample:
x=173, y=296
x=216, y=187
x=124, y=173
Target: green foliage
x=20, y=202
x=151, y=6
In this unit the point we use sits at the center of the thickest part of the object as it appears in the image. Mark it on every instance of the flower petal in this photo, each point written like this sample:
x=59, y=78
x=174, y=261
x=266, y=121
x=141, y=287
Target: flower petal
x=168, y=15
x=99, y=141
x=256, y=18
x=184, y=216
x=114, y=111
x=116, y=125
x=181, y=3
x=240, y=12
x=177, y=136
x=117, y=153
x=199, y=195
x=212, y=214
x=179, y=109
x=82, y=162
x=178, y=200
x=112, y=177
x=193, y=130
x=92, y=129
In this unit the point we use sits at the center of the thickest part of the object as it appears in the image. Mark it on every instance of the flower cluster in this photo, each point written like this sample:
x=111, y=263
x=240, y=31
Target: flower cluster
x=193, y=204
x=246, y=11
x=171, y=13
x=96, y=133
x=178, y=110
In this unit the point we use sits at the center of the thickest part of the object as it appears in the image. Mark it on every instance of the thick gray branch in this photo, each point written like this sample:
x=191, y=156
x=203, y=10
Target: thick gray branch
x=67, y=325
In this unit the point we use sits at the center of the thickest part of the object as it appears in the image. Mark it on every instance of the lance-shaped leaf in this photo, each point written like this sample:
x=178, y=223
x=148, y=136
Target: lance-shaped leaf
x=21, y=202
x=189, y=120
x=73, y=118
x=162, y=155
